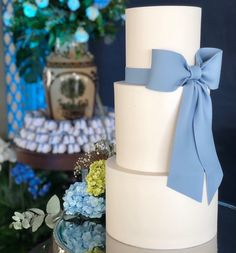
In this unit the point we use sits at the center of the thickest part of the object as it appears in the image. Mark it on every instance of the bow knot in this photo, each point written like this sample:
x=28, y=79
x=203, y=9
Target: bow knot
x=193, y=151
x=195, y=72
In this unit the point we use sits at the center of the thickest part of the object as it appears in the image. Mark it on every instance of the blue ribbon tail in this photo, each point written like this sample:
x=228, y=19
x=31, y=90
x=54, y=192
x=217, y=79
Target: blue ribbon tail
x=186, y=174
x=205, y=142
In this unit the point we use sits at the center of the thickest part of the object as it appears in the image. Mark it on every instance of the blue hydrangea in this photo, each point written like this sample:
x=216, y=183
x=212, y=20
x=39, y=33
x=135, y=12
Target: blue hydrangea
x=23, y=174
x=92, y=13
x=84, y=237
x=42, y=3
x=7, y=18
x=101, y=4
x=78, y=201
x=73, y=5
x=44, y=189
x=30, y=10
x=34, y=44
x=81, y=36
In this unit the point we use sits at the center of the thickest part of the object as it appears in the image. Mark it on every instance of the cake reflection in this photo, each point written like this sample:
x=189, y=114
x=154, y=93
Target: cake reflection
x=113, y=246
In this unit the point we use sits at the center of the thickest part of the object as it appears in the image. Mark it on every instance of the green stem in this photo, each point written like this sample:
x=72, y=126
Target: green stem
x=102, y=113
x=22, y=189
x=9, y=176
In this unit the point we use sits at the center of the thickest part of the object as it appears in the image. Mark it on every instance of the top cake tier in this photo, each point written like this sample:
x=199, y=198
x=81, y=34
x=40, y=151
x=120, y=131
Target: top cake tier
x=146, y=119
x=174, y=28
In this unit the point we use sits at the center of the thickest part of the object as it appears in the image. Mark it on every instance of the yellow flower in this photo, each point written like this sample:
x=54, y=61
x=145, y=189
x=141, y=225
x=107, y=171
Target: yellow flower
x=96, y=178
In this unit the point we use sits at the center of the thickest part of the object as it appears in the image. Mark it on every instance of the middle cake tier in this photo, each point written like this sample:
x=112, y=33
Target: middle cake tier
x=145, y=126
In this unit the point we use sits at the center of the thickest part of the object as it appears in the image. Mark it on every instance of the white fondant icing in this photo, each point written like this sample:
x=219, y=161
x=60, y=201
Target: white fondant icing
x=142, y=211
x=145, y=125
x=165, y=27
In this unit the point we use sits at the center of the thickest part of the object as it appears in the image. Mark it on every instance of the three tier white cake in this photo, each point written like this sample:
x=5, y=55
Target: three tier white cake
x=141, y=210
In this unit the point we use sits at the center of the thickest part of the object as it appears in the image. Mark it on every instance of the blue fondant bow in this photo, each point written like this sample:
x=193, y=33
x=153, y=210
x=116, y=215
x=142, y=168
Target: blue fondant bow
x=193, y=151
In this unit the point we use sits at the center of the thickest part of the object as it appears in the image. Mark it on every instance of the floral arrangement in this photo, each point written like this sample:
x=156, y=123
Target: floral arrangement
x=88, y=237
x=83, y=202
x=39, y=26
x=77, y=201
x=6, y=153
x=21, y=187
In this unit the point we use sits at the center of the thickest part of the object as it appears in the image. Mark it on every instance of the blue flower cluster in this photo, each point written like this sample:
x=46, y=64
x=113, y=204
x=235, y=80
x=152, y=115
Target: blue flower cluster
x=101, y=4
x=81, y=36
x=73, y=5
x=23, y=174
x=92, y=13
x=78, y=201
x=30, y=10
x=82, y=238
x=42, y=3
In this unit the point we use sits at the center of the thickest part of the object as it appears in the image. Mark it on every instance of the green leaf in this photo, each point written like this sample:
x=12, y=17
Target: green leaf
x=37, y=211
x=17, y=225
x=20, y=215
x=68, y=217
x=51, y=41
x=37, y=221
x=51, y=220
x=25, y=224
x=16, y=218
x=53, y=205
x=28, y=215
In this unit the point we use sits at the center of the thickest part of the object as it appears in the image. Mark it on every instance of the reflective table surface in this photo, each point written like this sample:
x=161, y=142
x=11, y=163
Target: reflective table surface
x=224, y=243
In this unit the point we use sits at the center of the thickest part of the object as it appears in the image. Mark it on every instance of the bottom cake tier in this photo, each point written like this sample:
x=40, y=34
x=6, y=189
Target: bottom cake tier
x=142, y=211
x=114, y=246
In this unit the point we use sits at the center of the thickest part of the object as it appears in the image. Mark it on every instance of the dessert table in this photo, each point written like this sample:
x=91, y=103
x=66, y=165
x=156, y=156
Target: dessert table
x=57, y=162
x=225, y=243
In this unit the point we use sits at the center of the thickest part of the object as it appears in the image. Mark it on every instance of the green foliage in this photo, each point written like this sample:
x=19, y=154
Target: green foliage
x=34, y=217
x=12, y=198
x=96, y=250
x=36, y=37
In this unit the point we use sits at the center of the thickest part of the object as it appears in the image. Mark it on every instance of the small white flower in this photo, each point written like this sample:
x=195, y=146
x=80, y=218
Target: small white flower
x=81, y=36
x=92, y=13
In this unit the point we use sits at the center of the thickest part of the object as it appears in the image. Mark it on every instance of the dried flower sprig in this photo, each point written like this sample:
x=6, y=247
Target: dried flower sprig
x=103, y=150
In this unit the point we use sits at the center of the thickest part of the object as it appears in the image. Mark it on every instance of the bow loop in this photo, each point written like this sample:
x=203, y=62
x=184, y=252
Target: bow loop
x=210, y=60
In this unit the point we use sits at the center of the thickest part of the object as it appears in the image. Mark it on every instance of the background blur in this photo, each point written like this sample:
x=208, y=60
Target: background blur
x=218, y=30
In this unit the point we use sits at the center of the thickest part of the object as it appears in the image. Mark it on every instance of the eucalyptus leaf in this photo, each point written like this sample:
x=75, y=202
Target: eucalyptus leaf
x=37, y=221
x=53, y=205
x=16, y=218
x=37, y=211
x=26, y=224
x=17, y=225
x=28, y=215
x=67, y=217
x=50, y=221
x=20, y=215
